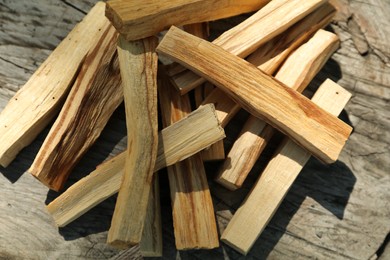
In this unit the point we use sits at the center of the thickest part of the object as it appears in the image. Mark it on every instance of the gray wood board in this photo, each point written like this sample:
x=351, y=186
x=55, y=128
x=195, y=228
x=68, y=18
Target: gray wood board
x=339, y=211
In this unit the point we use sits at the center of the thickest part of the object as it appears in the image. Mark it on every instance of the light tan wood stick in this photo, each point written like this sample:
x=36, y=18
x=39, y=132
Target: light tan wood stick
x=297, y=72
x=47, y=88
x=138, y=64
x=246, y=37
x=93, y=98
x=268, y=58
x=192, y=208
x=140, y=19
x=321, y=133
x=151, y=241
x=280, y=47
x=176, y=142
x=254, y=214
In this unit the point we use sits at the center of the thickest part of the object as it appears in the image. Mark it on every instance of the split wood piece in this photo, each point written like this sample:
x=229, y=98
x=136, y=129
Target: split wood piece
x=181, y=140
x=267, y=58
x=151, y=241
x=139, y=19
x=297, y=72
x=254, y=214
x=138, y=66
x=192, y=207
x=246, y=37
x=39, y=100
x=321, y=133
x=95, y=95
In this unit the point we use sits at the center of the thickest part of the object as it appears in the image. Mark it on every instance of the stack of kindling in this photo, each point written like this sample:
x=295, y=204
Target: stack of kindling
x=261, y=65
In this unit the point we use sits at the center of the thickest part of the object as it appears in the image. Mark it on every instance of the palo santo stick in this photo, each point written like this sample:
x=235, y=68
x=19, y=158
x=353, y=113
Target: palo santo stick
x=140, y=19
x=298, y=70
x=321, y=133
x=138, y=63
x=192, y=208
x=246, y=37
x=151, y=241
x=182, y=139
x=268, y=58
x=279, y=48
x=93, y=98
x=254, y=214
x=40, y=99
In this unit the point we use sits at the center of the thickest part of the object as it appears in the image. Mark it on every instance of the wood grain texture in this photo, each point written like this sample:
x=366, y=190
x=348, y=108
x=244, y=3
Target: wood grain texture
x=251, y=218
x=310, y=126
x=47, y=88
x=95, y=95
x=176, y=142
x=192, y=207
x=138, y=63
x=268, y=58
x=297, y=72
x=338, y=211
x=140, y=19
x=151, y=244
x=246, y=37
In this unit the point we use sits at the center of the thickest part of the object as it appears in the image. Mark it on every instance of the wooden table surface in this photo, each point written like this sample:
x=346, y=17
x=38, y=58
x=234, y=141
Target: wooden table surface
x=338, y=211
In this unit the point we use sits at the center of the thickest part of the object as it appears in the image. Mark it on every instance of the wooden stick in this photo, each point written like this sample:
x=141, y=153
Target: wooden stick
x=280, y=47
x=246, y=37
x=321, y=133
x=297, y=72
x=184, y=138
x=47, y=88
x=139, y=19
x=267, y=58
x=151, y=241
x=192, y=208
x=258, y=208
x=93, y=98
x=138, y=63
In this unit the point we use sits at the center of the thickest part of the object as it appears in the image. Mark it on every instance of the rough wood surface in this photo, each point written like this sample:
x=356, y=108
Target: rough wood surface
x=319, y=132
x=151, y=244
x=297, y=72
x=138, y=67
x=94, y=96
x=40, y=99
x=139, y=19
x=251, y=218
x=192, y=207
x=339, y=211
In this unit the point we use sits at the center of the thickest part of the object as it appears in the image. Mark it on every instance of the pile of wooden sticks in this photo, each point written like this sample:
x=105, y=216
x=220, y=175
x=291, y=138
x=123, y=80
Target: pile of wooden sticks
x=262, y=65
